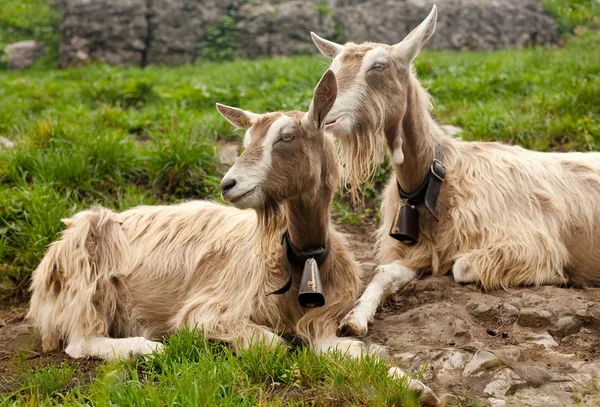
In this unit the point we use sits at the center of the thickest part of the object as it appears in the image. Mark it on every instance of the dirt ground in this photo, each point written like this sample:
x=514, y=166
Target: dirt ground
x=524, y=347
x=536, y=346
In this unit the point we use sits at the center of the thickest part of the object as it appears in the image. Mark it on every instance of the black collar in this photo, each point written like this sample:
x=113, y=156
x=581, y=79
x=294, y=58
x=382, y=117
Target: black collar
x=293, y=257
x=429, y=190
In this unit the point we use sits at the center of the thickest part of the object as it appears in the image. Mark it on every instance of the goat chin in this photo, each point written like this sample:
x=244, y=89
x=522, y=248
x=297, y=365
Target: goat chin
x=113, y=282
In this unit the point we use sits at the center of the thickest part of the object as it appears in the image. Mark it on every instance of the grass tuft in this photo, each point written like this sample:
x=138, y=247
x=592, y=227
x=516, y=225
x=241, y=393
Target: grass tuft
x=195, y=371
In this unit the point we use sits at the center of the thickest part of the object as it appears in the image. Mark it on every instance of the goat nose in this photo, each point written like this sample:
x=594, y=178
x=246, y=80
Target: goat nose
x=227, y=184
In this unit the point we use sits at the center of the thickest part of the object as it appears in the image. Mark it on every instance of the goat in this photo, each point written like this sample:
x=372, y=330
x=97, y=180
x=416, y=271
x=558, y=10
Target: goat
x=116, y=282
x=506, y=216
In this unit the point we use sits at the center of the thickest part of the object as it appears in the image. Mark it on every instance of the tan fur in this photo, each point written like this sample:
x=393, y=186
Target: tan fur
x=153, y=269
x=508, y=215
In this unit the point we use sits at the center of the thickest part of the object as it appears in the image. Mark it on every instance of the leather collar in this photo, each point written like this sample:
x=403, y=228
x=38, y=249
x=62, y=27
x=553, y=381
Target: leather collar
x=429, y=190
x=294, y=257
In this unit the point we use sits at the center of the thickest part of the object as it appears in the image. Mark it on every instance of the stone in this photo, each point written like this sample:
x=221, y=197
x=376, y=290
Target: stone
x=500, y=384
x=481, y=360
x=23, y=54
x=174, y=32
x=267, y=29
x=228, y=152
x=566, y=325
x=454, y=359
x=461, y=25
x=112, y=31
x=405, y=358
x=2, y=323
x=6, y=143
x=540, y=338
x=508, y=310
x=497, y=402
x=177, y=28
x=450, y=130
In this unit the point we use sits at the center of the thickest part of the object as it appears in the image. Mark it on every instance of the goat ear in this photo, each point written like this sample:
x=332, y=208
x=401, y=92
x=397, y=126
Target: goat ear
x=238, y=117
x=327, y=48
x=323, y=99
x=410, y=46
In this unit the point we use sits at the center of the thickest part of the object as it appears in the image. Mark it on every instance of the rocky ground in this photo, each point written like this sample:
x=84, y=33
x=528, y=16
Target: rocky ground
x=524, y=347
x=533, y=346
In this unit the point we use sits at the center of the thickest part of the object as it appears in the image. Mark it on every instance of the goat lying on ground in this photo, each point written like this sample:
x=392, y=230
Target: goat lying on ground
x=507, y=216
x=114, y=282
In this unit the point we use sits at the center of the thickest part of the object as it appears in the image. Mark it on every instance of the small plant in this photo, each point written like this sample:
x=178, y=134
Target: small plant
x=322, y=8
x=573, y=13
x=221, y=40
x=45, y=382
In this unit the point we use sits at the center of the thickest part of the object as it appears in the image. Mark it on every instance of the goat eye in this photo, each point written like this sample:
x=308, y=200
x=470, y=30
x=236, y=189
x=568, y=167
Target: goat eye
x=378, y=66
x=287, y=137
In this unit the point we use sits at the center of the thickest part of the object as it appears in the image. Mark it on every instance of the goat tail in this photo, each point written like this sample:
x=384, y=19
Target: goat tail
x=74, y=287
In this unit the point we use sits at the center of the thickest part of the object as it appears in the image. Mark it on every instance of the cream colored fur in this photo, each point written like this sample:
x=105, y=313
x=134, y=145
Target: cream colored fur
x=507, y=216
x=115, y=282
x=153, y=269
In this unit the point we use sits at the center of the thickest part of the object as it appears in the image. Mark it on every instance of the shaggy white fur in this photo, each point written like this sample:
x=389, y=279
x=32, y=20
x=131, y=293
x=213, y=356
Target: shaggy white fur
x=115, y=282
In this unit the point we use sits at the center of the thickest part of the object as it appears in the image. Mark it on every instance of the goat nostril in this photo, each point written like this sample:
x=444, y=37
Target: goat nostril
x=227, y=184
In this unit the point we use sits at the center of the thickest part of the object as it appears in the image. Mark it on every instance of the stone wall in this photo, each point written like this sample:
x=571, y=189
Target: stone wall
x=173, y=32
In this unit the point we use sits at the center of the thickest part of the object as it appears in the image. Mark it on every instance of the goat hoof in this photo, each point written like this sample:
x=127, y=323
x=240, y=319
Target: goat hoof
x=147, y=349
x=352, y=326
x=464, y=273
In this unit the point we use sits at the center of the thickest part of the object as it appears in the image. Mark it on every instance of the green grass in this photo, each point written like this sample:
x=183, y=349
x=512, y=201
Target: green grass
x=123, y=137
x=195, y=372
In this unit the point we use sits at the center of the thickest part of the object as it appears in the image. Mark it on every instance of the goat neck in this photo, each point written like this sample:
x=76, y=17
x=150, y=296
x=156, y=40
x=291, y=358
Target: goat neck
x=416, y=133
x=308, y=215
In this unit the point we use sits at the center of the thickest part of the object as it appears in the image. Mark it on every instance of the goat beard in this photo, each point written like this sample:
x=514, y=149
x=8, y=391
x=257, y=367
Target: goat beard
x=271, y=225
x=362, y=152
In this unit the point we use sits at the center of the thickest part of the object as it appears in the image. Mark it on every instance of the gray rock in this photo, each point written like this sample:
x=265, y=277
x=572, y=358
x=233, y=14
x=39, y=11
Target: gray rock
x=462, y=24
x=500, y=384
x=566, y=325
x=177, y=28
x=450, y=130
x=173, y=32
x=228, y=152
x=23, y=54
x=454, y=359
x=481, y=360
x=536, y=337
x=113, y=31
x=267, y=29
x=6, y=143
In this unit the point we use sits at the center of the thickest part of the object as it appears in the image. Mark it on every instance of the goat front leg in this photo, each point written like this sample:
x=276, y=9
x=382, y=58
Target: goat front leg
x=349, y=346
x=388, y=279
x=111, y=348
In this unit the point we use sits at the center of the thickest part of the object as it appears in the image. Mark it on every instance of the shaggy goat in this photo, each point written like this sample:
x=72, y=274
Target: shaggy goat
x=114, y=282
x=506, y=216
